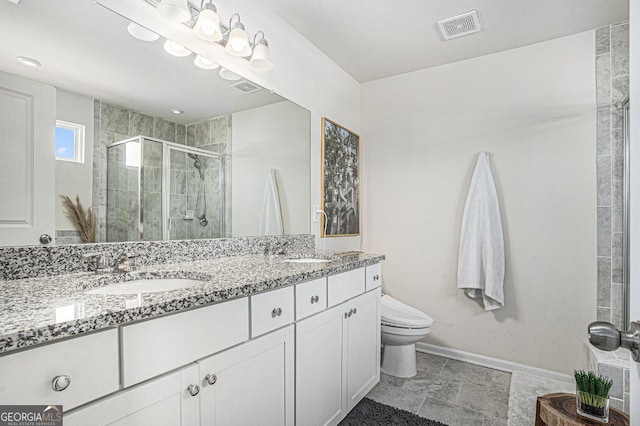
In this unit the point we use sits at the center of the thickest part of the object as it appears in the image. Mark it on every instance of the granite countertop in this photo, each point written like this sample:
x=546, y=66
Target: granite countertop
x=39, y=310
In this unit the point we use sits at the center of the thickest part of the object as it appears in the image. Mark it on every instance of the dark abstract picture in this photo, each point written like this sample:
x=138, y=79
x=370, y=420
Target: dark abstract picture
x=340, y=180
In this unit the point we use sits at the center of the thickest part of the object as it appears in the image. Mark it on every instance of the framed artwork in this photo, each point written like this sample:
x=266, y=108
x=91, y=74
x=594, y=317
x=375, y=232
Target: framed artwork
x=340, y=192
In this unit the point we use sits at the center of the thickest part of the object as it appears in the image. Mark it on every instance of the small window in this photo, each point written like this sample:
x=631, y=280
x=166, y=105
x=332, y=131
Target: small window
x=69, y=142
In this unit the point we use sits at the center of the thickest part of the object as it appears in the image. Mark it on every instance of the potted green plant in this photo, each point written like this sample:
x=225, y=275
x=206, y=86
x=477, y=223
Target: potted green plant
x=592, y=395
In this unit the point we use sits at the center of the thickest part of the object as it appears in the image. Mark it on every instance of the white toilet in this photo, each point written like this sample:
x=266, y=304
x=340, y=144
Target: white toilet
x=402, y=327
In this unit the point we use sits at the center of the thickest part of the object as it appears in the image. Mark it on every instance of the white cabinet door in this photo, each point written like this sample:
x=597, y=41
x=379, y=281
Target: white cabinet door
x=27, y=123
x=320, y=378
x=163, y=401
x=363, y=347
x=253, y=384
x=337, y=360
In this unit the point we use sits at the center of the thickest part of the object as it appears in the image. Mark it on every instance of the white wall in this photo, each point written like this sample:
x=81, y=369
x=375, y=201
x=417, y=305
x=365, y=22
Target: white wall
x=534, y=110
x=271, y=137
x=302, y=74
x=634, y=87
x=74, y=178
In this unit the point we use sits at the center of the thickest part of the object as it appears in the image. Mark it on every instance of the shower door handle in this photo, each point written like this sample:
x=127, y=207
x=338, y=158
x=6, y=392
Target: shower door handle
x=607, y=337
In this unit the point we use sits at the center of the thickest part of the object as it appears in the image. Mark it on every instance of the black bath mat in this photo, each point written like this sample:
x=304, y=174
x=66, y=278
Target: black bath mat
x=371, y=413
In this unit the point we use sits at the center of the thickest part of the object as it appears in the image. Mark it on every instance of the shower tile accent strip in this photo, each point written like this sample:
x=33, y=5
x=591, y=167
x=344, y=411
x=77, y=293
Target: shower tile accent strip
x=42, y=261
x=612, y=87
x=59, y=306
x=614, y=365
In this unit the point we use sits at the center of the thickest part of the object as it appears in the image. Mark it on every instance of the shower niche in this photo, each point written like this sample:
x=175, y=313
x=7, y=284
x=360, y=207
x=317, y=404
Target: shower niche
x=159, y=190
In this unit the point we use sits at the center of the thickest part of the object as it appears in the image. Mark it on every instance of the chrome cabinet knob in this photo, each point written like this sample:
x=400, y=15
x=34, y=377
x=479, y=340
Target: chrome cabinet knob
x=346, y=315
x=60, y=383
x=376, y=277
x=193, y=390
x=211, y=379
x=315, y=299
x=45, y=239
x=350, y=313
x=354, y=311
x=276, y=312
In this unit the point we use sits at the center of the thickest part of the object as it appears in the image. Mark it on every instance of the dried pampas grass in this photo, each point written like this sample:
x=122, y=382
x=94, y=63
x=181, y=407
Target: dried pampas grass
x=84, y=221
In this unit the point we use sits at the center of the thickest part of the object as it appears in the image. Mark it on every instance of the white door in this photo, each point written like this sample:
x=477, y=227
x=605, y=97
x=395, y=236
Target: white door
x=634, y=199
x=363, y=348
x=167, y=400
x=320, y=377
x=27, y=123
x=251, y=384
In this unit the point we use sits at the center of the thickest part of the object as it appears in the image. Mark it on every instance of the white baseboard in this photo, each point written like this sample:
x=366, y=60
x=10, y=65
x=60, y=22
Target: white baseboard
x=486, y=361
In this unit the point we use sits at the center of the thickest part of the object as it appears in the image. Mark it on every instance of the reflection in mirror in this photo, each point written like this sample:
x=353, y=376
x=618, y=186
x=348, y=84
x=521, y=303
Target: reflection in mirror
x=139, y=170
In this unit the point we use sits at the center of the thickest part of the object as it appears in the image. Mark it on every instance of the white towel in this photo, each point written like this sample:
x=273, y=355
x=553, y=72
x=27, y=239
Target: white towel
x=271, y=218
x=481, y=256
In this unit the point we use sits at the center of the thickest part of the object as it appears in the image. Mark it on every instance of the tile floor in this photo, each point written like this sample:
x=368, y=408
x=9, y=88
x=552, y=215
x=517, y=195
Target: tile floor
x=452, y=392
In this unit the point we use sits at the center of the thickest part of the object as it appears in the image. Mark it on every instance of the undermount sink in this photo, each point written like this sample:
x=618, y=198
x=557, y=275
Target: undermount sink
x=305, y=260
x=145, y=286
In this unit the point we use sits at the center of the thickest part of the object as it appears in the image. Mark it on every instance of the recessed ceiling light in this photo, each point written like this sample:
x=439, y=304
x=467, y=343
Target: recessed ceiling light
x=30, y=62
x=176, y=111
x=175, y=49
x=141, y=33
x=229, y=75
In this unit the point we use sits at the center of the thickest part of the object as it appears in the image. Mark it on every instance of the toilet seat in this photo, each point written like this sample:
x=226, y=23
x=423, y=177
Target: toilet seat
x=398, y=315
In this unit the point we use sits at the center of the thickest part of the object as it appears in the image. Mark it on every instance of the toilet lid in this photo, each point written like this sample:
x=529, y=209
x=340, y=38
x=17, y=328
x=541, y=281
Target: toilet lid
x=397, y=313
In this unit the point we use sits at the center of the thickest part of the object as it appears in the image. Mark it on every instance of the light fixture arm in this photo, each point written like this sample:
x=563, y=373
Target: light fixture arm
x=262, y=39
x=209, y=6
x=231, y=20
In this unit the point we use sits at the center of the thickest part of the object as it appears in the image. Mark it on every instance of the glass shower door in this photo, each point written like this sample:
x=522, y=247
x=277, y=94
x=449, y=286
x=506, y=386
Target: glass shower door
x=195, y=194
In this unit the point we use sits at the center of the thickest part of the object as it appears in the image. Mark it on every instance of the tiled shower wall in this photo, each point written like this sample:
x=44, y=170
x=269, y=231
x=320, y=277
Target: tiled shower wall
x=612, y=85
x=113, y=123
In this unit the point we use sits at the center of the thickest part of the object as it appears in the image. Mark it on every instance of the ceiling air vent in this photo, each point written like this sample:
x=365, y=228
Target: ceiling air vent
x=460, y=25
x=245, y=87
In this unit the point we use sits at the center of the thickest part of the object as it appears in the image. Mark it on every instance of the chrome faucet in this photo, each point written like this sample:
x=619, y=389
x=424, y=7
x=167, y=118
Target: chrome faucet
x=124, y=262
x=101, y=265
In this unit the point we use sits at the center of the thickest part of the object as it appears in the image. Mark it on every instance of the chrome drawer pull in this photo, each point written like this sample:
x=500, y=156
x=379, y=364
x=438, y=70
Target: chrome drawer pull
x=276, y=312
x=193, y=390
x=60, y=383
x=211, y=379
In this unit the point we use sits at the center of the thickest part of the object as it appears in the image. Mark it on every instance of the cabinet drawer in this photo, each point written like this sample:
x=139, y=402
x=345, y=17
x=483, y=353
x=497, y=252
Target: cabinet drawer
x=271, y=310
x=374, y=276
x=344, y=286
x=153, y=347
x=90, y=362
x=311, y=297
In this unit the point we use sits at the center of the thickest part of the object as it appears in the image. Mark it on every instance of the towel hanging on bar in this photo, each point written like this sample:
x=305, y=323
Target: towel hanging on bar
x=481, y=256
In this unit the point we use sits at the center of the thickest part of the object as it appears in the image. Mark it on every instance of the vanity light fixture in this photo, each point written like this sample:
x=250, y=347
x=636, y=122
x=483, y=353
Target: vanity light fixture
x=204, y=22
x=173, y=48
x=238, y=42
x=141, y=33
x=207, y=26
x=175, y=10
x=261, y=58
x=176, y=111
x=204, y=63
x=30, y=62
x=229, y=75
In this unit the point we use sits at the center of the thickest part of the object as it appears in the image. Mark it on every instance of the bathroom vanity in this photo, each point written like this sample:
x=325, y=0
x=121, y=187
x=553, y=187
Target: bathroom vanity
x=262, y=340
